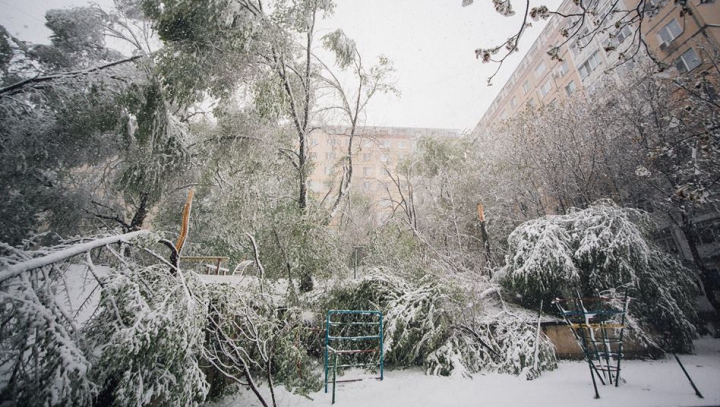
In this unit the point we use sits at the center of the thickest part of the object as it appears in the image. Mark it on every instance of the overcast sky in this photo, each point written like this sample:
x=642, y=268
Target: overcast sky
x=431, y=43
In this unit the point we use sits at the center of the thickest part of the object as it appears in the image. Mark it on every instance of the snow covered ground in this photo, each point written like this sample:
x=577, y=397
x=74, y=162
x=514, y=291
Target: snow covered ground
x=648, y=383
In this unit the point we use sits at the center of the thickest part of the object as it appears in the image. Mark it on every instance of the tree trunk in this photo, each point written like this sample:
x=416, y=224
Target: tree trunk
x=140, y=213
x=705, y=277
x=486, y=247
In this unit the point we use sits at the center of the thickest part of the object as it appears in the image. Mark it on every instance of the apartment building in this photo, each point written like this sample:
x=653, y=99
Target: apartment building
x=585, y=61
x=683, y=41
x=376, y=153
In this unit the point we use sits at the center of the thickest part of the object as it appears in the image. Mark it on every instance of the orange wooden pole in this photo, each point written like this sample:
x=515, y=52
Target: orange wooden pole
x=185, y=220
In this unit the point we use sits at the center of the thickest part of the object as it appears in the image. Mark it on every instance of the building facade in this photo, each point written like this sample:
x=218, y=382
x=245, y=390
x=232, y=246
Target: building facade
x=589, y=58
x=376, y=152
x=682, y=39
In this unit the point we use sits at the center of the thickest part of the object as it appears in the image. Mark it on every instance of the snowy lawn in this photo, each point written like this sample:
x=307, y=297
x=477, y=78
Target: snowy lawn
x=648, y=383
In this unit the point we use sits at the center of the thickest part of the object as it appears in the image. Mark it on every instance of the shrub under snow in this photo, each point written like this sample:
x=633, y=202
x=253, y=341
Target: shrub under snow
x=432, y=322
x=598, y=249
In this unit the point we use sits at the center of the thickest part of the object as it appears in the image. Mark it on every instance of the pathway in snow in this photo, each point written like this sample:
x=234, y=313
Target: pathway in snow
x=648, y=383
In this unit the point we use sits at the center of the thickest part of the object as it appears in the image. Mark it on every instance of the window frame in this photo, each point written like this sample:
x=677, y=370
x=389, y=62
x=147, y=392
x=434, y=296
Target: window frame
x=568, y=91
x=586, y=65
x=545, y=88
x=681, y=58
x=666, y=29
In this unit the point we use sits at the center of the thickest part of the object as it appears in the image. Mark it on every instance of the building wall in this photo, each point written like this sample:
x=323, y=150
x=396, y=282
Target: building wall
x=376, y=153
x=684, y=43
x=531, y=86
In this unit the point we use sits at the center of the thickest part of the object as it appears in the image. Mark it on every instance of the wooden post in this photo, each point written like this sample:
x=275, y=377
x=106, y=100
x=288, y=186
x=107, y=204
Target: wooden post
x=185, y=220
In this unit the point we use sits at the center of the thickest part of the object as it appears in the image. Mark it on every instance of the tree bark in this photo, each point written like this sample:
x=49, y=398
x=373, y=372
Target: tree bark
x=690, y=231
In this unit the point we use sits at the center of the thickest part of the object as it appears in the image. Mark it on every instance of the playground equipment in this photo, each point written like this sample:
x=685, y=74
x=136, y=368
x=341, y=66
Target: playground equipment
x=356, y=335
x=598, y=328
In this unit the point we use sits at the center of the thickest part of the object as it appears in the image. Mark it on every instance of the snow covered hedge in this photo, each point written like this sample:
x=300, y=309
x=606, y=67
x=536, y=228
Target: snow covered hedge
x=434, y=323
x=597, y=249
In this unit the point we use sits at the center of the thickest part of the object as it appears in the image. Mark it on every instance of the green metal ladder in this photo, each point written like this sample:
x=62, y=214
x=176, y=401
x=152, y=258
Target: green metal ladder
x=598, y=328
x=363, y=329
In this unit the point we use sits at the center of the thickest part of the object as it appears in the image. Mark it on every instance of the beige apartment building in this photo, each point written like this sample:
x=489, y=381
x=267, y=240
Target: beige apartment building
x=586, y=60
x=683, y=42
x=376, y=153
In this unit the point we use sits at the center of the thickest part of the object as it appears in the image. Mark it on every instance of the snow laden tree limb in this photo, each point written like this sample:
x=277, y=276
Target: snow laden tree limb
x=16, y=269
x=601, y=248
x=256, y=255
x=139, y=346
x=444, y=326
x=29, y=84
x=248, y=340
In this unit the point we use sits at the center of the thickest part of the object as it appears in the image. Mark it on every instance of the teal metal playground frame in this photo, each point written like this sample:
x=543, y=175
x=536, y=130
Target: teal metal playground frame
x=340, y=350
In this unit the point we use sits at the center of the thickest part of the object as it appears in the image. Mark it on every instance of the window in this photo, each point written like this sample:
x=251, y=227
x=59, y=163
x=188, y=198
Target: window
x=665, y=240
x=401, y=157
x=540, y=69
x=687, y=61
x=574, y=49
x=367, y=156
x=313, y=155
x=671, y=31
x=531, y=102
x=570, y=88
x=503, y=115
x=584, y=38
x=383, y=158
x=545, y=89
x=513, y=101
x=367, y=171
x=652, y=7
x=366, y=186
x=367, y=143
x=589, y=65
x=329, y=156
x=328, y=170
x=616, y=39
x=624, y=33
x=708, y=232
x=563, y=69
x=401, y=144
x=386, y=144
x=526, y=87
x=605, y=8
x=313, y=142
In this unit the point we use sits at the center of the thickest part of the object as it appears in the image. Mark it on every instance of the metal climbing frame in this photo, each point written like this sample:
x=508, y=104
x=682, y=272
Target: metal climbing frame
x=362, y=329
x=598, y=328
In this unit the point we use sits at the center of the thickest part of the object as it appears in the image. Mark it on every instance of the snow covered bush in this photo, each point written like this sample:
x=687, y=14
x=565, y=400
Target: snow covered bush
x=148, y=336
x=597, y=249
x=250, y=339
x=449, y=330
x=496, y=338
